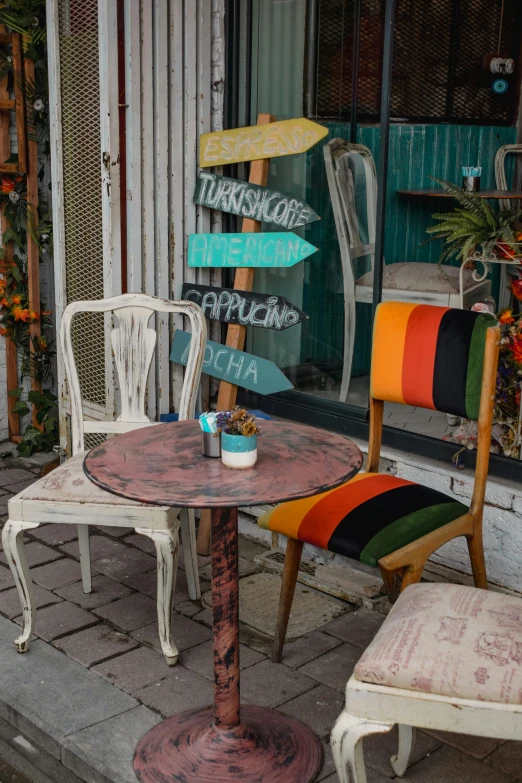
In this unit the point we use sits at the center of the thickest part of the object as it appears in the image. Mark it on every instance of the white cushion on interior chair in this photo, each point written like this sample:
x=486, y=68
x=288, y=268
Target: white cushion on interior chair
x=68, y=484
x=418, y=276
x=452, y=641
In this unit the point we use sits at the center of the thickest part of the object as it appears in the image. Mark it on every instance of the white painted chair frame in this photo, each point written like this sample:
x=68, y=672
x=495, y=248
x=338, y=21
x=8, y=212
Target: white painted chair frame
x=337, y=154
x=133, y=345
x=505, y=205
x=375, y=709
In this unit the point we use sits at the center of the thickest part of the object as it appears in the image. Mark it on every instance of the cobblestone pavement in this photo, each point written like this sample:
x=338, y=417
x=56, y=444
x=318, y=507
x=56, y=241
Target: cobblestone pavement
x=113, y=633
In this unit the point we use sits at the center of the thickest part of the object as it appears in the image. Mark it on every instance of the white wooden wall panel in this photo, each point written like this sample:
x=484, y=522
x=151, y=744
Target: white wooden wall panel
x=171, y=100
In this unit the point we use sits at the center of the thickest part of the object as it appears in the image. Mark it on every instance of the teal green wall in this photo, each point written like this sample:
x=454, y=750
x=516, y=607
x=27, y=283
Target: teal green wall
x=415, y=153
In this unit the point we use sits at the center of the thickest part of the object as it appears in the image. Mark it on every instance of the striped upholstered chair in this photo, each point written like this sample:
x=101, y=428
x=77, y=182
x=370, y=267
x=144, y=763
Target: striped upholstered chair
x=433, y=357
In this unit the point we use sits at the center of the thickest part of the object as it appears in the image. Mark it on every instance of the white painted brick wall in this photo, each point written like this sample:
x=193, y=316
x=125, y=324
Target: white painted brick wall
x=502, y=518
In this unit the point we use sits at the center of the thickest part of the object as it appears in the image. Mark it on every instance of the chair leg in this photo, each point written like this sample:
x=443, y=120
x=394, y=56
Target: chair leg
x=294, y=550
x=167, y=548
x=190, y=555
x=347, y=749
x=478, y=563
x=392, y=582
x=84, y=546
x=13, y=543
x=401, y=761
x=411, y=576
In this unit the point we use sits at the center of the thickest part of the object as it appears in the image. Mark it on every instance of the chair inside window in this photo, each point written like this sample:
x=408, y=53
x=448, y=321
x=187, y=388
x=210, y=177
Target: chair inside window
x=352, y=183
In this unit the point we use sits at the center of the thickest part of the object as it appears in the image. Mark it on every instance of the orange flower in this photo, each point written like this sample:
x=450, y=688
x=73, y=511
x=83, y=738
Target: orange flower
x=3, y=331
x=19, y=314
x=4, y=302
x=16, y=299
x=516, y=350
x=33, y=316
x=47, y=312
x=506, y=316
x=516, y=288
x=7, y=185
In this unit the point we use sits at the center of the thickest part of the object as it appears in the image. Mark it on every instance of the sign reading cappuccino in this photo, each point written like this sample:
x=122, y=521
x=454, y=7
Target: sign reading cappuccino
x=252, y=201
x=246, y=308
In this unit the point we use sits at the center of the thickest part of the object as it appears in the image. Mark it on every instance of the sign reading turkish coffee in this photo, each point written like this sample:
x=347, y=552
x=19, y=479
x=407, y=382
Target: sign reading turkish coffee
x=246, y=308
x=252, y=201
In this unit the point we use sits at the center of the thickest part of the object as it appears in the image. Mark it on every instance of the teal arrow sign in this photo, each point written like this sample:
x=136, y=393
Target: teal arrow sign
x=237, y=367
x=272, y=249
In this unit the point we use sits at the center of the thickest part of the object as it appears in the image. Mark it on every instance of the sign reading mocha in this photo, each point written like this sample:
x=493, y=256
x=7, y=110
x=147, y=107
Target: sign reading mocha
x=252, y=201
x=247, y=250
x=246, y=308
x=288, y=137
x=237, y=367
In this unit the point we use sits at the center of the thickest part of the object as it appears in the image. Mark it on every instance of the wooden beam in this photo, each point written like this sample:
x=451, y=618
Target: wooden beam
x=236, y=335
x=33, y=251
x=13, y=419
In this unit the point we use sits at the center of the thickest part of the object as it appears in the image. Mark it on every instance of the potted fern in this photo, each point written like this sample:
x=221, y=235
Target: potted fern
x=475, y=224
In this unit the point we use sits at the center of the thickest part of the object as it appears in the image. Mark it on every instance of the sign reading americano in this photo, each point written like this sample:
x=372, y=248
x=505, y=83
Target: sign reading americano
x=246, y=308
x=252, y=201
x=247, y=250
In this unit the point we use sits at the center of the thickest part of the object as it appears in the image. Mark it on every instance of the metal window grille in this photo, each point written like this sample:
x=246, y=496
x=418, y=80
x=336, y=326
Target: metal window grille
x=80, y=105
x=439, y=46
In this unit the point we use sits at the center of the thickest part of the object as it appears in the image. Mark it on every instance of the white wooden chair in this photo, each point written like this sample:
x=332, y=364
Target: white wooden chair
x=447, y=658
x=66, y=495
x=352, y=182
x=505, y=204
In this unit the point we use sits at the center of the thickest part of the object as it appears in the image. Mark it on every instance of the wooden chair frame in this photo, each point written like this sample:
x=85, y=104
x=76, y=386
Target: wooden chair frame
x=405, y=566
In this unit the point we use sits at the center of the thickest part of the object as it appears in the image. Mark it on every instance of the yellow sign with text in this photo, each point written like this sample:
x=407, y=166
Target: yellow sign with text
x=273, y=140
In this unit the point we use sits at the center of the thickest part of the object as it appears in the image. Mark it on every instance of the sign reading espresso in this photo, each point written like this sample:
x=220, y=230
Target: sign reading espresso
x=252, y=201
x=246, y=308
x=257, y=142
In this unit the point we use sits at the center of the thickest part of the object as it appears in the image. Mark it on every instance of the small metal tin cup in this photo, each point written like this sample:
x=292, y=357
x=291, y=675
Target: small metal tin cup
x=471, y=184
x=210, y=445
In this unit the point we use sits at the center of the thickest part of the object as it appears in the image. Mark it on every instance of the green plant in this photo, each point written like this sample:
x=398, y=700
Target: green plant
x=473, y=224
x=35, y=439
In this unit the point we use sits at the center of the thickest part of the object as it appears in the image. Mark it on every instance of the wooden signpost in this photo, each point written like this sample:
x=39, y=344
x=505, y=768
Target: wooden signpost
x=244, y=307
x=272, y=249
x=237, y=367
x=267, y=139
x=259, y=142
x=252, y=201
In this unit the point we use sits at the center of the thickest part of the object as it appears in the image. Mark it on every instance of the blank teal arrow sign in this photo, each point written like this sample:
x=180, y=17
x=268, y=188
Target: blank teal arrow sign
x=237, y=367
x=271, y=249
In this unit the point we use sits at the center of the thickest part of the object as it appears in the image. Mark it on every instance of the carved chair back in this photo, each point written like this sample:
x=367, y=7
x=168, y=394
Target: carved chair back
x=133, y=342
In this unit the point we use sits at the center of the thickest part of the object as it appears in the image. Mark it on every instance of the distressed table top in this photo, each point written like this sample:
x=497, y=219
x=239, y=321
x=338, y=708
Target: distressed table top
x=164, y=466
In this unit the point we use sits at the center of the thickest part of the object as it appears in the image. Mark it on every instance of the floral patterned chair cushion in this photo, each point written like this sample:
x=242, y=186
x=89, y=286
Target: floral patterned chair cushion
x=451, y=641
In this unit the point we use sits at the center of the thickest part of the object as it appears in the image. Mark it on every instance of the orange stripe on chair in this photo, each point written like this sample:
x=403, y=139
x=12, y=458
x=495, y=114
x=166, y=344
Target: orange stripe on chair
x=286, y=518
x=321, y=521
x=419, y=355
x=389, y=336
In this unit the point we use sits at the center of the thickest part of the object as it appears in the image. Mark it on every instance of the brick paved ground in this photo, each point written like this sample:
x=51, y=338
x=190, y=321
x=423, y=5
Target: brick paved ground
x=113, y=632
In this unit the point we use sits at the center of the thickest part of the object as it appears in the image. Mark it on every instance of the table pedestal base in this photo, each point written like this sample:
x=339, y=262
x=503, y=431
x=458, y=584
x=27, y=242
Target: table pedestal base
x=266, y=747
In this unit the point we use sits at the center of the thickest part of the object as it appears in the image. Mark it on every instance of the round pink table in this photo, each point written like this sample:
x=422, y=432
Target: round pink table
x=164, y=465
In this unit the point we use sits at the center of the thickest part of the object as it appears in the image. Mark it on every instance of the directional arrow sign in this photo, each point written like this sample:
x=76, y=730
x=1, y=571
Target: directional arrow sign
x=245, y=308
x=252, y=201
x=259, y=141
x=242, y=369
x=247, y=250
